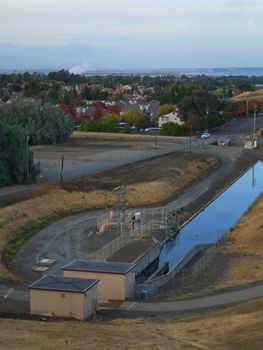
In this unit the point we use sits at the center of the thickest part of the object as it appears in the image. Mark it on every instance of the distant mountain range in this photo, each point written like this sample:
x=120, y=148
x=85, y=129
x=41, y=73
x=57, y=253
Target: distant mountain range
x=234, y=71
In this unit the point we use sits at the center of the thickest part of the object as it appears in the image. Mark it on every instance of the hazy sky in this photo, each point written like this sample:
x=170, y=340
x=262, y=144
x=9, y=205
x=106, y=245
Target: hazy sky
x=130, y=33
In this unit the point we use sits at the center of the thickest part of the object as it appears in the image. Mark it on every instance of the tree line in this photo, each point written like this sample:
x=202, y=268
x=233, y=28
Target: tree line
x=28, y=122
x=16, y=160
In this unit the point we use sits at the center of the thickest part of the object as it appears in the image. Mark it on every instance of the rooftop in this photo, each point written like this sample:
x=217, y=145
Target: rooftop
x=65, y=284
x=99, y=266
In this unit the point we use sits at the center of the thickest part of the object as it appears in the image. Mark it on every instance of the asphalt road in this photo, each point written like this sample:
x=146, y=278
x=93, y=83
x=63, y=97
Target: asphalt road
x=97, y=162
x=74, y=237
x=112, y=157
x=212, y=301
x=218, y=300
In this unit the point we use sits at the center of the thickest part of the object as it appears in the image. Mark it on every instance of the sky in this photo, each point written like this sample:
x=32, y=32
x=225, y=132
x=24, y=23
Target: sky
x=85, y=35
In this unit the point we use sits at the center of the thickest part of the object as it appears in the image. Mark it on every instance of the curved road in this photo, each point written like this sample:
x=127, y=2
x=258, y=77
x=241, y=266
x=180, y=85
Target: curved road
x=242, y=294
x=227, y=298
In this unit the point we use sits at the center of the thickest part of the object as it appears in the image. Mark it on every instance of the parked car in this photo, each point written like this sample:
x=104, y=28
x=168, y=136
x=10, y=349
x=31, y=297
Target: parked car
x=205, y=135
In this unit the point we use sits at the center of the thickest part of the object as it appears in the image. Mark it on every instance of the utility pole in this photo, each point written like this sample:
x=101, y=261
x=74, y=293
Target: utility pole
x=61, y=171
x=155, y=139
x=190, y=140
x=247, y=108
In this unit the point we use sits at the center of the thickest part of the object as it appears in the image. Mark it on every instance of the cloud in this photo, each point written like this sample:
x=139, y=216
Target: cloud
x=127, y=32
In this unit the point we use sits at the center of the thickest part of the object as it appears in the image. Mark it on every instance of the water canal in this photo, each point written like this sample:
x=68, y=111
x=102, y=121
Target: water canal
x=217, y=217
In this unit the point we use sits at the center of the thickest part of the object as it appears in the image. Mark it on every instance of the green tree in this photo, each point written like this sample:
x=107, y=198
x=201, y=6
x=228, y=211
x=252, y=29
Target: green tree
x=44, y=123
x=86, y=93
x=90, y=126
x=16, y=162
x=109, y=122
x=54, y=92
x=172, y=129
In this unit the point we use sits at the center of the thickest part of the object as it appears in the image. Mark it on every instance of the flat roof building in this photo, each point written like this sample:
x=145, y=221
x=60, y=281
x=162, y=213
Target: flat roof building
x=64, y=297
x=116, y=279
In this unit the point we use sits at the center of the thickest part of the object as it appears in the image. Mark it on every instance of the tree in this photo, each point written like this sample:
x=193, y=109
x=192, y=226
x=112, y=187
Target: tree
x=86, y=93
x=44, y=123
x=54, y=92
x=165, y=109
x=137, y=119
x=196, y=122
x=109, y=122
x=90, y=126
x=172, y=129
x=16, y=162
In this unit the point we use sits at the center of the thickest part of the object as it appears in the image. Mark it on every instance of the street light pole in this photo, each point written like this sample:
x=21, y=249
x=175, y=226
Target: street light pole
x=207, y=111
x=190, y=138
x=254, y=124
x=155, y=135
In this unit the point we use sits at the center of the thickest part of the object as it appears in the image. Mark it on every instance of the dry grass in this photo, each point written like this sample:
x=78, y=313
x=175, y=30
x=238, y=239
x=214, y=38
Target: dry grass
x=249, y=95
x=121, y=137
x=148, y=182
x=246, y=243
x=234, y=328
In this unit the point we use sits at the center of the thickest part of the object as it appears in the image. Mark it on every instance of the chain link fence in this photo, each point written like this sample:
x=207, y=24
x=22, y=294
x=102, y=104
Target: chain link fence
x=139, y=224
x=109, y=249
x=201, y=256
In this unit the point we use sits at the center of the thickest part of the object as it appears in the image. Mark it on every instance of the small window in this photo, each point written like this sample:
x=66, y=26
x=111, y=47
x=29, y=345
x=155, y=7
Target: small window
x=63, y=295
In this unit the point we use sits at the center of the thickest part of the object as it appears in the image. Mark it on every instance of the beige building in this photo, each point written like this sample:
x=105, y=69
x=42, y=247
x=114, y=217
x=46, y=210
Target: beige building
x=170, y=117
x=116, y=279
x=64, y=297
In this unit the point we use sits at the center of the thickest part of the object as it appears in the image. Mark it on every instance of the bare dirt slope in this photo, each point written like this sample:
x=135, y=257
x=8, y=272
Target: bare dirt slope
x=234, y=328
x=248, y=95
x=239, y=260
x=148, y=182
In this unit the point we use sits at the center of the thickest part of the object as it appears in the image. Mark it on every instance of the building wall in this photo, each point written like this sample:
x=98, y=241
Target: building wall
x=147, y=258
x=130, y=285
x=170, y=117
x=62, y=304
x=111, y=286
x=90, y=302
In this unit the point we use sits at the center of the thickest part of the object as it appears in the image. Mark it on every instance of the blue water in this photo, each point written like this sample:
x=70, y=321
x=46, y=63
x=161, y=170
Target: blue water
x=227, y=71
x=217, y=218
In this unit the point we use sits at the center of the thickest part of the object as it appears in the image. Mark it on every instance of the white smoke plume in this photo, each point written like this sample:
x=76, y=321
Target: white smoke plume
x=81, y=68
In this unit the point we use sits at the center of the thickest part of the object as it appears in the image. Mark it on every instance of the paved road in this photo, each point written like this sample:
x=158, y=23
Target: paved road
x=218, y=300
x=76, y=234
x=243, y=126
x=108, y=159
x=11, y=292
x=212, y=301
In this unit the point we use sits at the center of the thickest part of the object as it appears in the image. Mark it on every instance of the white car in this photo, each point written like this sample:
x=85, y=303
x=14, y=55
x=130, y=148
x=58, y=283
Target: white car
x=205, y=136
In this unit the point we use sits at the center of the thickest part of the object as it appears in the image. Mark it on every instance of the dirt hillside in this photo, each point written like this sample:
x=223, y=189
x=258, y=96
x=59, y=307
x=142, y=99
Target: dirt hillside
x=248, y=95
x=234, y=328
x=148, y=182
